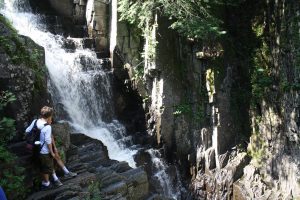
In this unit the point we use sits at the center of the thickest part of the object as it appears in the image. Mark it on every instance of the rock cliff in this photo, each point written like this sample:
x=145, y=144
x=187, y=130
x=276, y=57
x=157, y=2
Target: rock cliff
x=22, y=72
x=227, y=110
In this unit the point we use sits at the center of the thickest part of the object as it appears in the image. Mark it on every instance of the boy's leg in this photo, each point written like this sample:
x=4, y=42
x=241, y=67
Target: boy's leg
x=62, y=165
x=59, y=160
x=45, y=181
x=46, y=163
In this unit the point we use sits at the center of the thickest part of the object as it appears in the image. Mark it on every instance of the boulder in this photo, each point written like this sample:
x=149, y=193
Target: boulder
x=210, y=158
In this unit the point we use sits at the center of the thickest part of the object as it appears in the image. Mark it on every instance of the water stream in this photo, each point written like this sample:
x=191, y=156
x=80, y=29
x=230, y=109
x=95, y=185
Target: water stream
x=83, y=87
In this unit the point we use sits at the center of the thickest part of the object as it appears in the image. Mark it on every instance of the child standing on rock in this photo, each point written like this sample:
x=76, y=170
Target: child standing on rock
x=48, y=150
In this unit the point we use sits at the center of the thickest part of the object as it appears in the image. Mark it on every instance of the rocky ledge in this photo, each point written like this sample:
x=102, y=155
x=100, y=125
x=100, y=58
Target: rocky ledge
x=98, y=176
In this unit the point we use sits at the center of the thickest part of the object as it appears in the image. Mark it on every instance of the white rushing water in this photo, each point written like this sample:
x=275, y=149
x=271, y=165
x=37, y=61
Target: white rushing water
x=82, y=86
x=170, y=189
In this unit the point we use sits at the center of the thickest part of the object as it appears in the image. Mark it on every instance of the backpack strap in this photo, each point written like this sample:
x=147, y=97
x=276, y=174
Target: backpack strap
x=35, y=121
x=35, y=127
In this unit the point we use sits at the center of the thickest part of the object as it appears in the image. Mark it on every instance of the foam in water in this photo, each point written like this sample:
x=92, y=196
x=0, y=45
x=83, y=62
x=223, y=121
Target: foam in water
x=83, y=88
x=160, y=172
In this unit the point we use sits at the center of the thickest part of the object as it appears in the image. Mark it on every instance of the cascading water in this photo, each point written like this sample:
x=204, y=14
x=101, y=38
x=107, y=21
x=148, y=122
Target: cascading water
x=81, y=85
x=160, y=173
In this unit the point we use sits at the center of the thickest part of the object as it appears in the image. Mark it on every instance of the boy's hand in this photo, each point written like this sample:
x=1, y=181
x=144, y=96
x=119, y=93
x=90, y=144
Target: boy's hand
x=52, y=154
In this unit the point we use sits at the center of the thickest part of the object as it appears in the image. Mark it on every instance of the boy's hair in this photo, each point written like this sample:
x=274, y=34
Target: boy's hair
x=46, y=112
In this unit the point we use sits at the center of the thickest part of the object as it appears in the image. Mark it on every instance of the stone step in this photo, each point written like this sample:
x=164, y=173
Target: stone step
x=77, y=166
x=79, y=139
x=90, y=157
x=96, y=163
x=73, y=159
x=120, y=167
x=119, y=188
x=114, y=197
x=90, y=147
x=108, y=163
x=107, y=176
x=74, y=185
x=52, y=193
x=72, y=151
x=157, y=197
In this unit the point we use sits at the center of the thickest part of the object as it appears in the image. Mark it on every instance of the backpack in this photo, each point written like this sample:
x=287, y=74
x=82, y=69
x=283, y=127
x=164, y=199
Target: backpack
x=31, y=138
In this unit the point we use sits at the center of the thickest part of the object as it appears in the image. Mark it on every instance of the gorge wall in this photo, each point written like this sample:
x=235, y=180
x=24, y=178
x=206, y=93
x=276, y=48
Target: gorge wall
x=226, y=111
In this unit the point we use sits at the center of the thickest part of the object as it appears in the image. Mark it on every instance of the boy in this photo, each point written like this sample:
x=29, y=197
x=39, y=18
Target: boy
x=48, y=149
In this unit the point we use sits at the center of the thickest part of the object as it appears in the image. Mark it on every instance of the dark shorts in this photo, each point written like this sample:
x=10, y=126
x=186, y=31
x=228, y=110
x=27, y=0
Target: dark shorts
x=46, y=164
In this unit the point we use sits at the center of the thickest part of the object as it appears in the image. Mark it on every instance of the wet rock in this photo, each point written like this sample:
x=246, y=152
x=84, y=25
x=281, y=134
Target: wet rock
x=210, y=158
x=69, y=46
x=217, y=183
x=106, y=178
x=62, y=132
x=223, y=159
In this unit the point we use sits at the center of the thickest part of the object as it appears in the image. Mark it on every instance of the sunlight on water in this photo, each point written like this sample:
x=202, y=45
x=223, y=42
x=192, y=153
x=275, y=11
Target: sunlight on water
x=82, y=86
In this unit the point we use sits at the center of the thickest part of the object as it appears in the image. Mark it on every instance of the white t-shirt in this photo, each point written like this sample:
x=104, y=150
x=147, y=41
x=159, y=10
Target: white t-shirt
x=45, y=136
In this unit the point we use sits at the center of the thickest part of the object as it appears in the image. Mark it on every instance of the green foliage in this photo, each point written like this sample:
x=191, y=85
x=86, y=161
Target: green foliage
x=195, y=111
x=183, y=109
x=137, y=12
x=7, y=127
x=60, y=146
x=190, y=18
x=5, y=98
x=11, y=174
x=257, y=149
x=260, y=81
x=261, y=77
x=138, y=72
x=94, y=190
x=193, y=19
x=18, y=53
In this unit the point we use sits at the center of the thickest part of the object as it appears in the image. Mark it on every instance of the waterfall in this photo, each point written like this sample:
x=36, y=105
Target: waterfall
x=82, y=86
x=80, y=83
x=171, y=189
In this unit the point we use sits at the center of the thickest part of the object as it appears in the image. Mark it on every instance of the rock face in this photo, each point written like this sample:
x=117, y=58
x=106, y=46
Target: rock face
x=80, y=18
x=22, y=72
x=275, y=146
x=98, y=176
x=200, y=104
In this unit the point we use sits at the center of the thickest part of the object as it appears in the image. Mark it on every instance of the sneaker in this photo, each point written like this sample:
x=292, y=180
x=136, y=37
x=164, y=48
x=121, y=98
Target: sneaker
x=44, y=188
x=57, y=183
x=70, y=175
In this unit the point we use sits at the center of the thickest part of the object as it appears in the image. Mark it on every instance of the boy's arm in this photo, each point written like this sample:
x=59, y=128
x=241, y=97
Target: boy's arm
x=51, y=150
x=53, y=143
x=48, y=139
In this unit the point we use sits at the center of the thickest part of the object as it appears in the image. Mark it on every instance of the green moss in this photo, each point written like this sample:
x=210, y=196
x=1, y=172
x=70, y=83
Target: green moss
x=16, y=49
x=257, y=149
x=94, y=190
x=11, y=174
